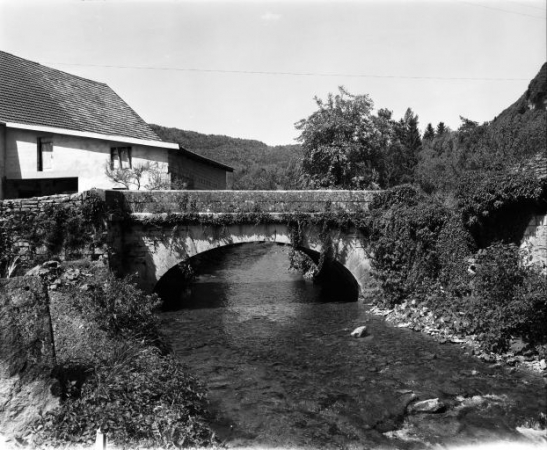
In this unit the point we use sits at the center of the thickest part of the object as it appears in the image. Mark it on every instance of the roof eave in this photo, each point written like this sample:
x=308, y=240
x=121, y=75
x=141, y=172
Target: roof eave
x=90, y=135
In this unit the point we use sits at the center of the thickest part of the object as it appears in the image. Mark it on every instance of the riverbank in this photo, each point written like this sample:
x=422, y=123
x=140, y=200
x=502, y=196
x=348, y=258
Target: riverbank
x=113, y=368
x=420, y=318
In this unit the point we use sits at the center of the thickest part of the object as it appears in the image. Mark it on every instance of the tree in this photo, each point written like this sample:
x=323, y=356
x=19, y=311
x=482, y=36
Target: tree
x=441, y=128
x=137, y=175
x=399, y=143
x=412, y=139
x=429, y=132
x=340, y=143
x=412, y=143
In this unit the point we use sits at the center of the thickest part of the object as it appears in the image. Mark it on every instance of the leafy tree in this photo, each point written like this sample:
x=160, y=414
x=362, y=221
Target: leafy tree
x=341, y=143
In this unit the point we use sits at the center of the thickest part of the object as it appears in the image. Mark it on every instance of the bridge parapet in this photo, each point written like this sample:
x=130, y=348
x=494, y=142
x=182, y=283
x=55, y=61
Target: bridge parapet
x=158, y=202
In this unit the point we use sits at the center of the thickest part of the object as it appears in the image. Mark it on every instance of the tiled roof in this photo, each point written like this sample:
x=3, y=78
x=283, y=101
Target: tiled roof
x=33, y=94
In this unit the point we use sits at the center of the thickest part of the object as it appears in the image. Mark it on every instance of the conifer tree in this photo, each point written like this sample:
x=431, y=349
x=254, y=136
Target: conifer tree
x=429, y=132
x=441, y=129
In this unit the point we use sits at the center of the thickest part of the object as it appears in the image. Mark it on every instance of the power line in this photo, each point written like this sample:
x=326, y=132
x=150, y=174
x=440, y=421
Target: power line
x=527, y=6
x=503, y=10
x=299, y=74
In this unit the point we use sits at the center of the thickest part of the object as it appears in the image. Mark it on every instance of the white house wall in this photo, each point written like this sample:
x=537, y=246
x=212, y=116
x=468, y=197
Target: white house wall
x=2, y=158
x=79, y=157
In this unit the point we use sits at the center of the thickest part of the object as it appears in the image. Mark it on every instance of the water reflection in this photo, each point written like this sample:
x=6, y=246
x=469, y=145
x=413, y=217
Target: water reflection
x=251, y=274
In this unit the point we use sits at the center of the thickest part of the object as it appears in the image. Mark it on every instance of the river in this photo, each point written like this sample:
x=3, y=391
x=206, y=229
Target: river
x=282, y=370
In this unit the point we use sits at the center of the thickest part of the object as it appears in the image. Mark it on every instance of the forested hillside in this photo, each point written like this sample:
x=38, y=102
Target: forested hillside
x=257, y=165
x=513, y=138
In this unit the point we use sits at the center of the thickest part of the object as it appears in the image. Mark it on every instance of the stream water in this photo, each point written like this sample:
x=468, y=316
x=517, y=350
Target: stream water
x=282, y=370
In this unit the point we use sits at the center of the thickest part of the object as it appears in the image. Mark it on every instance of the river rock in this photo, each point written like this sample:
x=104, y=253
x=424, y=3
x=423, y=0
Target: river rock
x=359, y=332
x=433, y=405
x=26, y=354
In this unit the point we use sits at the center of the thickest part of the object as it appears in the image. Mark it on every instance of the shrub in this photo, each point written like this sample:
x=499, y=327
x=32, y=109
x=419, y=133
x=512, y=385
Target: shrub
x=137, y=397
x=403, y=233
x=120, y=378
x=531, y=308
x=421, y=249
x=510, y=300
x=455, y=247
x=121, y=308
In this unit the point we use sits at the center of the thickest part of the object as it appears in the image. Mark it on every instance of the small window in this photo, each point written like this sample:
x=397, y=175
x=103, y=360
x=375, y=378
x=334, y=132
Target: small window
x=45, y=154
x=120, y=158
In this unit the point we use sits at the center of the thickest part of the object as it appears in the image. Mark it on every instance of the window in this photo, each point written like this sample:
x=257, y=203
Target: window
x=45, y=154
x=120, y=158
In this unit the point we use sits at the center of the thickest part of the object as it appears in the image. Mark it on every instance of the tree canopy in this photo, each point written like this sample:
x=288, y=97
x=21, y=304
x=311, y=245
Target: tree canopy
x=340, y=142
x=346, y=146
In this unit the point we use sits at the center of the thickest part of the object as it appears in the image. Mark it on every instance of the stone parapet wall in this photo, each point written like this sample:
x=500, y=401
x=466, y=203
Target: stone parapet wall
x=158, y=202
x=38, y=204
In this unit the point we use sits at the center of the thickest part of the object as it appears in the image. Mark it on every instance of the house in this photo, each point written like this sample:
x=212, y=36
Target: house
x=60, y=132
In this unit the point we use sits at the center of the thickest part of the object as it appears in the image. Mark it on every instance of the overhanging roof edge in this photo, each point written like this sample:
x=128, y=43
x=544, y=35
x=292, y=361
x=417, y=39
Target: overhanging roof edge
x=90, y=135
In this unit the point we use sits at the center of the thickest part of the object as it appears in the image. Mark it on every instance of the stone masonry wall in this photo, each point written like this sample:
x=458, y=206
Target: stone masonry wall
x=37, y=205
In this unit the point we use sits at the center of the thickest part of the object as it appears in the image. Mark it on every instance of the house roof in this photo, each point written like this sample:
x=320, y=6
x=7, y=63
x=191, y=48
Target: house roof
x=195, y=156
x=33, y=94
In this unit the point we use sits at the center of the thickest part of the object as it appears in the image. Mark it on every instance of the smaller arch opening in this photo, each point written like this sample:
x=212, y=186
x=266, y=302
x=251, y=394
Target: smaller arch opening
x=338, y=283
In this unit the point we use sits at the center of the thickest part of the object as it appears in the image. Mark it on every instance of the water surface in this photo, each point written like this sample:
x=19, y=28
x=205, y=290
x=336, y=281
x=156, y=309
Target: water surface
x=282, y=370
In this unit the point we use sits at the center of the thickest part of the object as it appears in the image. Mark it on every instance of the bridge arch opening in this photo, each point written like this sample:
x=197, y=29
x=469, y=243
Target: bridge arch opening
x=177, y=287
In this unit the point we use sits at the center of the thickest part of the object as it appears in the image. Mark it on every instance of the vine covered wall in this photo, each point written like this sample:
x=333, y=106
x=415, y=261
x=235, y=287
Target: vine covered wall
x=61, y=226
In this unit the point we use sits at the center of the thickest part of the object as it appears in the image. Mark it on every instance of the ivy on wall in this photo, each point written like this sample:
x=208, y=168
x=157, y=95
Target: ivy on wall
x=296, y=222
x=460, y=259
x=497, y=206
x=66, y=230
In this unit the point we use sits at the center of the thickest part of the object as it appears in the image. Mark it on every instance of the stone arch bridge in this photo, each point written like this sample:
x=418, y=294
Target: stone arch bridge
x=157, y=230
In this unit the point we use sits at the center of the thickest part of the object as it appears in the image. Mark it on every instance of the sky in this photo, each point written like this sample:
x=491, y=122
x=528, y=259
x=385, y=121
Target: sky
x=251, y=69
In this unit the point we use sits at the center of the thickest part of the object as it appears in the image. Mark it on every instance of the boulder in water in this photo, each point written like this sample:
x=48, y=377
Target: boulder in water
x=432, y=405
x=359, y=331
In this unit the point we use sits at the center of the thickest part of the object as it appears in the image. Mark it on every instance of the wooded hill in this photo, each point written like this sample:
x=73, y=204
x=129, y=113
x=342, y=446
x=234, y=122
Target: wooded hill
x=256, y=165
x=515, y=137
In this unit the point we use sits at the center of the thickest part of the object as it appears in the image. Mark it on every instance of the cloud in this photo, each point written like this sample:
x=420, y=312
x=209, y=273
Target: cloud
x=270, y=17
